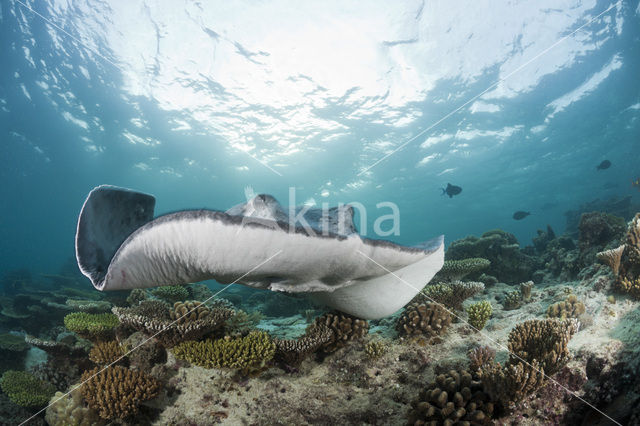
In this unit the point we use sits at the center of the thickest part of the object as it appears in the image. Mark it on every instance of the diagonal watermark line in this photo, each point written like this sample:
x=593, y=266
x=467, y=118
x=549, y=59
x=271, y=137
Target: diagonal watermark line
x=91, y=49
x=416, y=136
x=146, y=340
x=494, y=341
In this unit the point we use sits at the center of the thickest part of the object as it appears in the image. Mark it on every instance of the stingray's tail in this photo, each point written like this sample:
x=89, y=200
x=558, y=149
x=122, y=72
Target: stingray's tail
x=109, y=215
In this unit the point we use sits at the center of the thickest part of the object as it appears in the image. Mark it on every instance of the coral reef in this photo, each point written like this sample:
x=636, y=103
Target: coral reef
x=91, y=326
x=570, y=308
x=428, y=319
x=61, y=372
x=455, y=270
x=116, y=392
x=598, y=229
x=144, y=353
x=154, y=319
x=136, y=296
x=241, y=323
x=621, y=207
x=104, y=353
x=69, y=410
x=479, y=314
x=249, y=354
x=344, y=329
x=508, y=263
x=454, y=398
x=25, y=389
x=612, y=257
x=450, y=294
x=171, y=293
x=91, y=306
x=511, y=382
x=12, y=351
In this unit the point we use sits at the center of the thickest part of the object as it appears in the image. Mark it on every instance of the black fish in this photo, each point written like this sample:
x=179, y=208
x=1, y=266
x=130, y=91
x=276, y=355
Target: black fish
x=451, y=190
x=519, y=215
x=604, y=165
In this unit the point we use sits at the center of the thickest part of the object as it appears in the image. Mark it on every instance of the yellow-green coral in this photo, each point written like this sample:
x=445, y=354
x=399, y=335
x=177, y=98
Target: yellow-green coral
x=450, y=294
x=512, y=300
x=90, y=325
x=249, y=354
x=171, y=293
x=25, y=389
x=479, y=314
x=630, y=286
x=375, y=349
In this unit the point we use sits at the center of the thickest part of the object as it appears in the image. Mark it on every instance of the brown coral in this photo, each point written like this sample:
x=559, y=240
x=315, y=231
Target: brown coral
x=454, y=398
x=630, y=286
x=612, y=258
x=570, y=308
x=543, y=340
x=525, y=290
x=480, y=356
x=292, y=352
x=513, y=382
x=429, y=319
x=104, y=353
x=154, y=319
x=344, y=328
x=116, y=392
x=190, y=310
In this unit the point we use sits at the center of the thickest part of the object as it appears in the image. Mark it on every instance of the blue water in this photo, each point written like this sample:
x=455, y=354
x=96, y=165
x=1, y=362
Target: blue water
x=517, y=103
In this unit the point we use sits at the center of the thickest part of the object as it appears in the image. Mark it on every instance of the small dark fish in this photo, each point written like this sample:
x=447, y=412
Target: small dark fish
x=451, y=190
x=604, y=165
x=519, y=215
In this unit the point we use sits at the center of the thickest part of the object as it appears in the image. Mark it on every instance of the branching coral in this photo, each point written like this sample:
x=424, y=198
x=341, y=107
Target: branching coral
x=116, y=392
x=512, y=300
x=454, y=270
x=292, y=352
x=375, y=349
x=154, y=319
x=25, y=389
x=241, y=323
x=480, y=356
x=249, y=354
x=104, y=353
x=344, y=328
x=513, y=382
x=69, y=410
x=454, y=398
x=428, y=319
x=91, y=326
x=449, y=294
x=630, y=286
x=171, y=293
x=570, y=308
x=136, y=296
x=479, y=314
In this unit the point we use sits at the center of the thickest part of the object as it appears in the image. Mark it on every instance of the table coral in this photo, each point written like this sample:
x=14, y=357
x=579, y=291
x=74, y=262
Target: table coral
x=344, y=329
x=454, y=270
x=116, y=392
x=249, y=354
x=479, y=314
x=91, y=326
x=451, y=294
x=25, y=389
x=428, y=319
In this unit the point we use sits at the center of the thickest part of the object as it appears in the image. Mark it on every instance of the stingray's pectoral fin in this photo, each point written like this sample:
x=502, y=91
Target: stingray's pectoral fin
x=382, y=296
x=109, y=215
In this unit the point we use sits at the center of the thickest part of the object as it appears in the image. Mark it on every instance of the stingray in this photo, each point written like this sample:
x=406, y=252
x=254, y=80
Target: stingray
x=306, y=251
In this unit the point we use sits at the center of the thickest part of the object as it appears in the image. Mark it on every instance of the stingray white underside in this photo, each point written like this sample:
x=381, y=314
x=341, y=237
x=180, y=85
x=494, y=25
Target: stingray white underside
x=366, y=278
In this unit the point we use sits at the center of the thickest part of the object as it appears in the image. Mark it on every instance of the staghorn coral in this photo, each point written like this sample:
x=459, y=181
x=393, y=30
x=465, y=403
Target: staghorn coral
x=612, y=258
x=374, y=349
x=154, y=319
x=249, y=354
x=479, y=314
x=25, y=389
x=344, y=328
x=570, y=308
x=428, y=319
x=543, y=340
x=69, y=410
x=455, y=270
x=136, y=296
x=292, y=352
x=116, y=392
x=191, y=310
x=449, y=294
x=104, y=353
x=479, y=357
x=513, y=382
x=171, y=293
x=454, y=398
x=512, y=300
x=91, y=326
